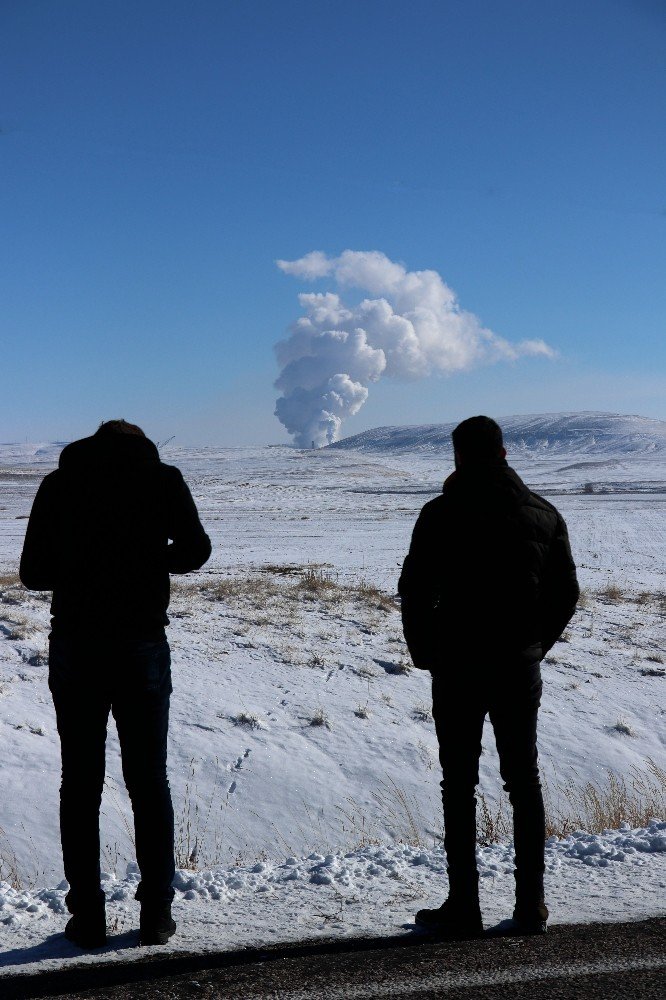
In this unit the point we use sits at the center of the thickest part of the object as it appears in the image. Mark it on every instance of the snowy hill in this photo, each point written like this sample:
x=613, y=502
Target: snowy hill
x=30, y=453
x=546, y=433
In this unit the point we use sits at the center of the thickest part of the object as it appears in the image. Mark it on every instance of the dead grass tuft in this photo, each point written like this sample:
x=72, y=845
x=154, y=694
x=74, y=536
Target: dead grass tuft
x=315, y=580
x=10, y=869
x=611, y=593
x=623, y=727
x=375, y=598
x=319, y=718
x=280, y=569
x=422, y=712
x=249, y=719
x=254, y=589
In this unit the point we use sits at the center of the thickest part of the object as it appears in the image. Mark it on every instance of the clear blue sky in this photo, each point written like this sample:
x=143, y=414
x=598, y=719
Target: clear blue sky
x=158, y=156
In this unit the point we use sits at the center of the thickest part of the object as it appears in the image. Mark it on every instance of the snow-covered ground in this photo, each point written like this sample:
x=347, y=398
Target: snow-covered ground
x=302, y=754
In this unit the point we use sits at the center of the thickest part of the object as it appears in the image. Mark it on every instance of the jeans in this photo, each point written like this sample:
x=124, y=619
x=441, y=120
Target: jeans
x=510, y=694
x=132, y=679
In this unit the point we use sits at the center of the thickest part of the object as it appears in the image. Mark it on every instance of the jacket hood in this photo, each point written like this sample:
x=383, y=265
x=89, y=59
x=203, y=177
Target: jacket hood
x=486, y=484
x=106, y=450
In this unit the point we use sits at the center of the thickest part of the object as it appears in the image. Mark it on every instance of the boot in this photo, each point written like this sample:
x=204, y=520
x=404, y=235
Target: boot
x=530, y=917
x=156, y=924
x=87, y=928
x=455, y=919
x=530, y=913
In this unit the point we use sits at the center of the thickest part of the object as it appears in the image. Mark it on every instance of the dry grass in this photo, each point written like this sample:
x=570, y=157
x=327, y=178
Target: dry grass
x=656, y=598
x=611, y=593
x=375, y=598
x=593, y=807
x=398, y=667
x=422, y=712
x=317, y=581
x=249, y=719
x=277, y=583
x=275, y=569
x=605, y=806
x=256, y=590
x=319, y=718
x=12, y=590
x=18, y=628
x=622, y=727
x=10, y=869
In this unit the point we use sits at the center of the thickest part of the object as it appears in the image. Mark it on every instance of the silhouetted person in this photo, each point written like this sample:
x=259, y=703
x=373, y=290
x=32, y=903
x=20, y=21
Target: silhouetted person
x=488, y=586
x=98, y=537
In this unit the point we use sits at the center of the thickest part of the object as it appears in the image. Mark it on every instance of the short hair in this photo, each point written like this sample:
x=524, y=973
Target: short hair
x=478, y=439
x=118, y=427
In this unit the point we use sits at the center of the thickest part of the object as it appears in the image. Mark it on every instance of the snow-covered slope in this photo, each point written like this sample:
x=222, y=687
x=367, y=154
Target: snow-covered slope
x=20, y=453
x=549, y=433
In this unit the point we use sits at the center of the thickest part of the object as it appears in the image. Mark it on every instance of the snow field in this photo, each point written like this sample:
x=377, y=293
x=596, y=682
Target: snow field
x=298, y=725
x=298, y=730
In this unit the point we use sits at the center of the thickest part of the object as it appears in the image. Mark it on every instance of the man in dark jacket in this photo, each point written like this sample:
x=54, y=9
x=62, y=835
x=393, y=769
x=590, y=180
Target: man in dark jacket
x=488, y=586
x=98, y=537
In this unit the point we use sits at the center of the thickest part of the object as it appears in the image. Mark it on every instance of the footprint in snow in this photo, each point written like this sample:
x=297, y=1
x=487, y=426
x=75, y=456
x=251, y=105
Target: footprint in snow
x=239, y=760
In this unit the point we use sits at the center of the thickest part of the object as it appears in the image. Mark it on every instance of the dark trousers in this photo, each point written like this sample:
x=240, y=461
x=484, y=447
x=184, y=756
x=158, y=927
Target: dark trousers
x=510, y=694
x=132, y=679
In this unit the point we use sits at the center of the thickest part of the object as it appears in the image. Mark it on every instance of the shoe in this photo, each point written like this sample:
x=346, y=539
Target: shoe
x=156, y=925
x=87, y=929
x=526, y=922
x=452, y=920
x=531, y=919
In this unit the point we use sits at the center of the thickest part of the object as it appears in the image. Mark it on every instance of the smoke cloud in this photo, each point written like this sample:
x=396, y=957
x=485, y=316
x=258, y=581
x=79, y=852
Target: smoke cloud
x=410, y=326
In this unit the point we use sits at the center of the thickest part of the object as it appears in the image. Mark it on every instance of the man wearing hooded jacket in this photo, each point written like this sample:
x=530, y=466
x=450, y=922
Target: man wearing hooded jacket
x=107, y=528
x=488, y=586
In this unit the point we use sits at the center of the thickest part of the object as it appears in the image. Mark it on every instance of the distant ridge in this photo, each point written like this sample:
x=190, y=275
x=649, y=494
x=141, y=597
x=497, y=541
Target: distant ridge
x=586, y=433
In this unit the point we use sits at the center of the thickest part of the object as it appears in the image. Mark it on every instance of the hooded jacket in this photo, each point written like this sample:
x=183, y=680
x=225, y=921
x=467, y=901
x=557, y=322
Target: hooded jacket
x=106, y=529
x=489, y=574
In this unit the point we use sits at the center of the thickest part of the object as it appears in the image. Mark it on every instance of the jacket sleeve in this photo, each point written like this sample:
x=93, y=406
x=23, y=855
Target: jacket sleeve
x=191, y=546
x=559, y=588
x=38, y=567
x=419, y=594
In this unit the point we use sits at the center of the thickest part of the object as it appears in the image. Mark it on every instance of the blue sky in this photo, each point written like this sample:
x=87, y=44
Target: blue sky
x=159, y=156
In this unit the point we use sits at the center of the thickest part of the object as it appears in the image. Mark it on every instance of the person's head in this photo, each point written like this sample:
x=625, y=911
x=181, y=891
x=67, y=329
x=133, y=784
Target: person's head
x=477, y=439
x=117, y=427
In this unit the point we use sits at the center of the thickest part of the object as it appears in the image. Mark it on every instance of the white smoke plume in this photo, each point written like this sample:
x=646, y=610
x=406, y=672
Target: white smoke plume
x=411, y=326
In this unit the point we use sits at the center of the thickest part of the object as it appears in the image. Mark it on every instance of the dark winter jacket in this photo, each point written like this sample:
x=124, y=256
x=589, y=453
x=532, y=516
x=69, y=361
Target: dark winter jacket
x=489, y=575
x=98, y=537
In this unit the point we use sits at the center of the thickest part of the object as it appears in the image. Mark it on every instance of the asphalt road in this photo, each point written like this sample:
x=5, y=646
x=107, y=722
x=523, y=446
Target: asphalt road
x=596, y=961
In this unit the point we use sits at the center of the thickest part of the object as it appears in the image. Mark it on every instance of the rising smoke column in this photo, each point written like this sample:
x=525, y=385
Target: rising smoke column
x=411, y=326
